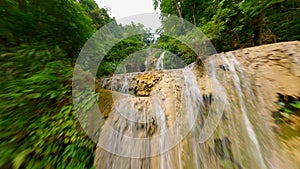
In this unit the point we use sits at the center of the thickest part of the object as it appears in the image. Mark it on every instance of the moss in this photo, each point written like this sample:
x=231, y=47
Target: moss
x=288, y=132
x=105, y=102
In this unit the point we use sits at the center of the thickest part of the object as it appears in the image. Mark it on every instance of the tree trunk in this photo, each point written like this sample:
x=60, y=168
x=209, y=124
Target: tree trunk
x=22, y=5
x=193, y=13
x=257, y=30
x=3, y=42
x=178, y=6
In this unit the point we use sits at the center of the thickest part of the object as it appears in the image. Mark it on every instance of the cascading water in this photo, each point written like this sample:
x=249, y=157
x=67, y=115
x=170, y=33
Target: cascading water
x=235, y=67
x=160, y=62
x=178, y=126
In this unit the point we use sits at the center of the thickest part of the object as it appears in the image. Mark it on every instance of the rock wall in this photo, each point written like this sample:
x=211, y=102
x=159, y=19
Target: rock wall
x=274, y=69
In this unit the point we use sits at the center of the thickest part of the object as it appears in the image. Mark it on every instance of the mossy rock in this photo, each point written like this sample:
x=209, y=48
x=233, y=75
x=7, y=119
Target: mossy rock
x=105, y=102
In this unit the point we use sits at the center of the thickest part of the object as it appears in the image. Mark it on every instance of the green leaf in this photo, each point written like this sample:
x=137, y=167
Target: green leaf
x=296, y=104
x=34, y=95
x=286, y=115
x=286, y=110
x=19, y=159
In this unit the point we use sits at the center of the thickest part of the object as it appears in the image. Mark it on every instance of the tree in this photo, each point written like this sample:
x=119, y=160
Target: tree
x=38, y=43
x=233, y=24
x=254, y=11
x=99, y=15
x=61, y=23
x=125, y=47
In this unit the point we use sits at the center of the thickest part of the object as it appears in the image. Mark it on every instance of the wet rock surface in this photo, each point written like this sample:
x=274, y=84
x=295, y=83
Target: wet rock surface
x=260, y=72
x=275, y=68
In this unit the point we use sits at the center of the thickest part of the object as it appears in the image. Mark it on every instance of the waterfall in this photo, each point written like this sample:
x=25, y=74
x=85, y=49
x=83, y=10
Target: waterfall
x=146, y=64
x=182, y=125
x=160, y=62
x=234, y=66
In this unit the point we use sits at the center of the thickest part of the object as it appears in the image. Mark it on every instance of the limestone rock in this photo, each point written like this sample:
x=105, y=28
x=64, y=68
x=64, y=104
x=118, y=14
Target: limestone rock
x=146, y=83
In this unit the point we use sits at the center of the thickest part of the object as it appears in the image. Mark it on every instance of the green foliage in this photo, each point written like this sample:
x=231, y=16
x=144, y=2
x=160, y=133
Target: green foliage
x=99, y=15
x=133, y=63
x=296, y=104
x=176, y=47
x=287, y=106
x=233, y=24
x=38, y=124
x=38, y=43
x=59, y=22
x=125, y=47
x=283, y=20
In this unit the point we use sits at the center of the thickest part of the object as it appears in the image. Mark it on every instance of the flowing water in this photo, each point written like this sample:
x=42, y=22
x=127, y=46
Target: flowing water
x=160, y=61
x=182, y=125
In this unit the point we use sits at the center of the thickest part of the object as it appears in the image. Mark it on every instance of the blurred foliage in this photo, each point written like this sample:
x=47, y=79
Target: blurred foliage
x=39, y=41
x=287, y=106
x=39, y=128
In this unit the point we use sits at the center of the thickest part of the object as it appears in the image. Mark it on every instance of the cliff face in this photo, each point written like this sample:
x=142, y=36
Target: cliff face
x=275, y=69
x=245, y=83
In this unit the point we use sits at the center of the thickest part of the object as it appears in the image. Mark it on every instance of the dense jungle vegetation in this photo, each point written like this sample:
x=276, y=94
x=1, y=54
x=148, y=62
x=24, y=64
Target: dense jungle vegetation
x=40, y=41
